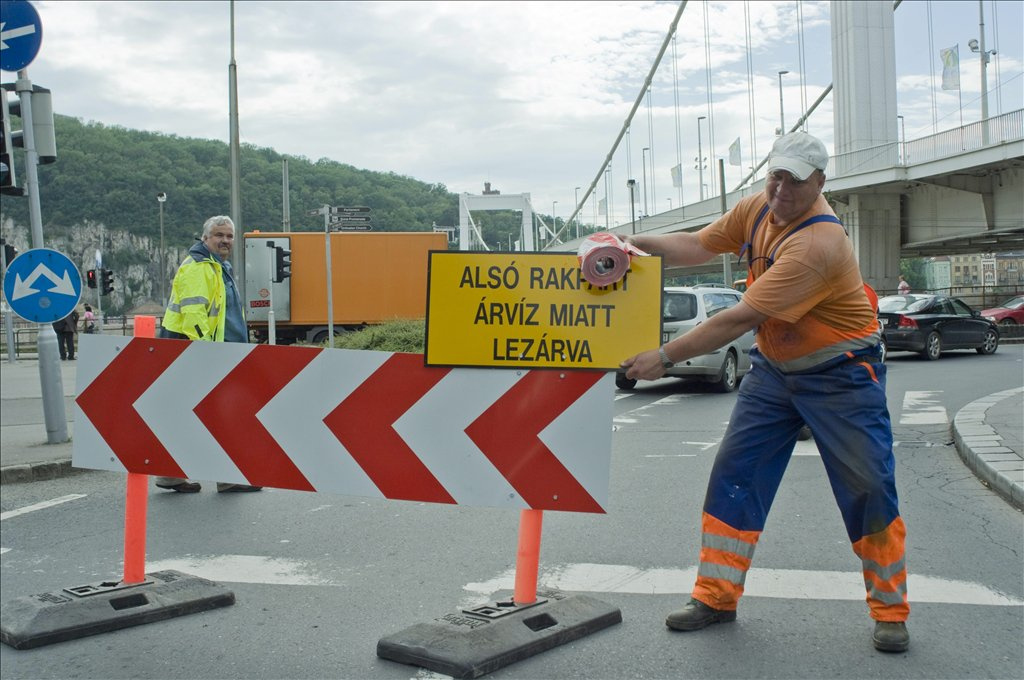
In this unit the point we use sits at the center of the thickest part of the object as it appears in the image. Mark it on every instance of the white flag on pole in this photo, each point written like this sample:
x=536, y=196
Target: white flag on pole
x=602, y=206
x=950, y=57
x=677, y=176
x=734, y=153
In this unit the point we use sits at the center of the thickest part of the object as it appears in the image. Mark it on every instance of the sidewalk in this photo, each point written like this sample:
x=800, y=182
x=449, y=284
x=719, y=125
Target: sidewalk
x=25, y=454
x=987, y=432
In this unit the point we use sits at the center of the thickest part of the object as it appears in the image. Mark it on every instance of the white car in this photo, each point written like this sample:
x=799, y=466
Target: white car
x=685, y=308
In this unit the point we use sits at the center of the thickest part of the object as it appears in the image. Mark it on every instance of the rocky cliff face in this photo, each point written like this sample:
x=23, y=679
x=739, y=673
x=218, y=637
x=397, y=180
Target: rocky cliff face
x=139, y=275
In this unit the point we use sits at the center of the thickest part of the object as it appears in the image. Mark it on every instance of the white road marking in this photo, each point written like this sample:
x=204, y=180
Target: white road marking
x=40, y=506
x=806, y=448
x=703, y=446
x=923, y=408
x=245, y=569
x=791, y=584
x=629, y=417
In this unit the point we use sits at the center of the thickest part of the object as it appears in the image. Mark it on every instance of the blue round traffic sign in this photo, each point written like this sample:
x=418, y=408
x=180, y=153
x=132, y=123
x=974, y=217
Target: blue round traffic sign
x=20, y=36
x=42, y=285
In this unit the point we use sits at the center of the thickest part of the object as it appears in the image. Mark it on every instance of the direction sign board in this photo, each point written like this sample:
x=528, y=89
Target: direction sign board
x=355, y=219
x=535, y=310
x=346, y=209
x=21, y=34
x=345, y=226
x=42, y=285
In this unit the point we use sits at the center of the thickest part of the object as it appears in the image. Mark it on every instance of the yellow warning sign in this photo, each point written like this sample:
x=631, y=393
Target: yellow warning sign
x=535, y=310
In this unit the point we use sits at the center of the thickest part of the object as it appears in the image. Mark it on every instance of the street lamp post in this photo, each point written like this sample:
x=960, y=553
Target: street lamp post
x=782, y=110
x=700, y=158
x=643, y=157
x=631, y=183
x=577, y=209
x=161, y=198
x=554, y=220
x=979, y=47
x=903, y=140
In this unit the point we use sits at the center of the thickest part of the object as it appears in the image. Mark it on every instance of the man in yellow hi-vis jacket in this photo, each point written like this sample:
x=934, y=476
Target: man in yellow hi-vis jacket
x=205, y=305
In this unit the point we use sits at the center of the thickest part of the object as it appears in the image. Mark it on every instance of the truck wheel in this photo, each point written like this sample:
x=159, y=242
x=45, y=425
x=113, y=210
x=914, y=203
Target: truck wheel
x=320, y=338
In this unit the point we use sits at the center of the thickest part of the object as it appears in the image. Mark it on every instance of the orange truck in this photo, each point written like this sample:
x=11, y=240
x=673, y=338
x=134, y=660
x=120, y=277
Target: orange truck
x=376, y=277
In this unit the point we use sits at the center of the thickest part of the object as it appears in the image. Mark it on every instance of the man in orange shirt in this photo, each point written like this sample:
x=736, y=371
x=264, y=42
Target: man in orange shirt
x=817, y=361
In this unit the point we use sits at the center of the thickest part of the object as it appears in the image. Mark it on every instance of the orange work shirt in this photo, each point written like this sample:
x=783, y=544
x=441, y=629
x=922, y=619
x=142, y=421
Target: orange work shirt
x=812, y=293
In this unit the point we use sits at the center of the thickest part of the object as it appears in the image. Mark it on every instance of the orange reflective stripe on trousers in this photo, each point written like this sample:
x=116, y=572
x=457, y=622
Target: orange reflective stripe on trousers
x=725, y=556
x=885, y=571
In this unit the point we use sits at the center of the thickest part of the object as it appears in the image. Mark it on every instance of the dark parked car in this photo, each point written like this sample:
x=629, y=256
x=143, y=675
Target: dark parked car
x=1007, y=313
x=932, y=324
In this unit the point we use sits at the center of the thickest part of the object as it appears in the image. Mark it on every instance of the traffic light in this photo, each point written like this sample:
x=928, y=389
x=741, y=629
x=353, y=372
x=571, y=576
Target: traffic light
x=282, y=264
x=10, y=252
x=90, y=278
x=8, y=182
x=43, y=135
x=107, y=281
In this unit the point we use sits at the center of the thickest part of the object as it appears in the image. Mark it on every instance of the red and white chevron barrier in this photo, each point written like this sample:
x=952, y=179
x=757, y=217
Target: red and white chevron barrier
x=362, y=423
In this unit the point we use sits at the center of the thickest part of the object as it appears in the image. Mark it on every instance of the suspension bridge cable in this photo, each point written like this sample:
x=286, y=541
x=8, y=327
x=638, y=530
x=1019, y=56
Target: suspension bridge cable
x=709, y=92
x=679, y=139
x=803, y=56
x=650, y=143
x=995, y=49
x=931, y=67
x=632, y=111
x=751, y=110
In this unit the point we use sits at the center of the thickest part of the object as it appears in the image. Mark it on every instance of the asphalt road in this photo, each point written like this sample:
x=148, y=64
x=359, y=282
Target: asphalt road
x=320, y=579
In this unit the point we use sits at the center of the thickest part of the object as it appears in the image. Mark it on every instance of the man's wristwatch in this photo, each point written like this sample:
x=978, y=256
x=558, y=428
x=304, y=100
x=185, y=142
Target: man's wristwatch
x=665, y=361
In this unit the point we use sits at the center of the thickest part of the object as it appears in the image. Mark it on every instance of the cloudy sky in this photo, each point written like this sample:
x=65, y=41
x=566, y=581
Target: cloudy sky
x=528, y=96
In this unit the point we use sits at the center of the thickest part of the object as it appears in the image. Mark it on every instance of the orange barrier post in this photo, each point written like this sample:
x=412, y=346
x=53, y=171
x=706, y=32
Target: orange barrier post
x=528, y=556
x=135, y=528
x=137, y=496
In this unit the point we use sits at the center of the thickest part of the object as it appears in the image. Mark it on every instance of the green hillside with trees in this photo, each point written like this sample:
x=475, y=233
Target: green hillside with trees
x=111, y=175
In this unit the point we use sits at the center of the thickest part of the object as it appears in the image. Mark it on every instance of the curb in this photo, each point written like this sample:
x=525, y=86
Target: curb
x=981, y=449
x=37, y=472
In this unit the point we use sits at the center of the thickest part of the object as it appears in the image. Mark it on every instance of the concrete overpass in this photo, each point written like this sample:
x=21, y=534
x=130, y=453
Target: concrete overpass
x=954, y=192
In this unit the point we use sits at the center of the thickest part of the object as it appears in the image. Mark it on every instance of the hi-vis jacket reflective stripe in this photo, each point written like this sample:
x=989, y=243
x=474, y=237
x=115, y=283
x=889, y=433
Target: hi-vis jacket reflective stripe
x=197, y=305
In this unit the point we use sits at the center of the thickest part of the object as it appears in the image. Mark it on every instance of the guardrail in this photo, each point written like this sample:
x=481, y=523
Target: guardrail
x=1008, y=127
x=26, y=333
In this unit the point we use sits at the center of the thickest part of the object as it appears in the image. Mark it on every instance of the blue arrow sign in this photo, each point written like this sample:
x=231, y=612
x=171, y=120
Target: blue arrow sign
x=42, y=285
x=21, y=34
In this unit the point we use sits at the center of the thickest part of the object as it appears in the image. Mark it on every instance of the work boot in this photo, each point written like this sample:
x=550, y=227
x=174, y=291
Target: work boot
x=696, y=615
x=222, y=487
x=179, y=485
x=891, y=636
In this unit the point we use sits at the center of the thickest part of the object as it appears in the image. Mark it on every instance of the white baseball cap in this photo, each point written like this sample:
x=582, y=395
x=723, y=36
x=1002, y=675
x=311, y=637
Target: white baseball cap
x=799, y=154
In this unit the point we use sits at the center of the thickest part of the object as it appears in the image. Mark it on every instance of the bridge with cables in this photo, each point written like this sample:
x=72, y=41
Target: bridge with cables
x=955, y=190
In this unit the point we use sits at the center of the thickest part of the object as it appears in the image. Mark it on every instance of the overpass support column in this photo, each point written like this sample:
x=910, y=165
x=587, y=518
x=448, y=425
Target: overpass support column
x=874, y=225
x=864, y=73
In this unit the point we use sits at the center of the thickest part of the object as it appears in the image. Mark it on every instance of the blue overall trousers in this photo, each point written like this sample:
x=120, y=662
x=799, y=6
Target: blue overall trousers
x=843, y=402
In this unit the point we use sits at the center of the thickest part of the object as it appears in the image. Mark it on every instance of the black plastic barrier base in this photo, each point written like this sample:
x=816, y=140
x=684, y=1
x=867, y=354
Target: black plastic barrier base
x=473, y=642
x=76, y=612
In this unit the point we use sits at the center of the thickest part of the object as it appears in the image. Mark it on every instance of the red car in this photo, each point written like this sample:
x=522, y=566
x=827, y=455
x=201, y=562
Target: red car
x=1007, y=313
